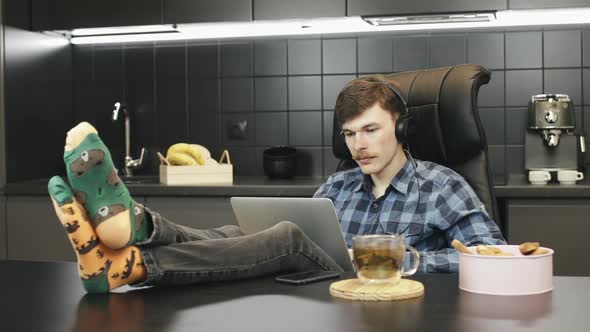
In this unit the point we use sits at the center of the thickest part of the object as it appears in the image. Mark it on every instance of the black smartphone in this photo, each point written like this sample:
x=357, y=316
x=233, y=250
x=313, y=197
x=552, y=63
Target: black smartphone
x=302, y=278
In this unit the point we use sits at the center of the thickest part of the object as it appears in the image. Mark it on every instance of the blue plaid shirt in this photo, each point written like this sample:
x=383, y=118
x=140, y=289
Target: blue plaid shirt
x=428, y=203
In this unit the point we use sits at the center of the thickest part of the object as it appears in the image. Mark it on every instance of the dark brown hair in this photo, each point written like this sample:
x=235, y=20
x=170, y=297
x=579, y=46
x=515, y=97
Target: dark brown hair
x=362, y=93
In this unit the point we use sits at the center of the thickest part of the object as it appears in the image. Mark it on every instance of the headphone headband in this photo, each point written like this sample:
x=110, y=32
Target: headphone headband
x=401, y=102
x=404, y=123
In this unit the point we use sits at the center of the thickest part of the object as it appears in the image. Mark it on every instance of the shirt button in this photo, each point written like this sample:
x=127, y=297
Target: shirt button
x=375, y=205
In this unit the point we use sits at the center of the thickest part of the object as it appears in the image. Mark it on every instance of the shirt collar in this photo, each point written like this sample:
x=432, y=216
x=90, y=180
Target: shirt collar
x=400, y=181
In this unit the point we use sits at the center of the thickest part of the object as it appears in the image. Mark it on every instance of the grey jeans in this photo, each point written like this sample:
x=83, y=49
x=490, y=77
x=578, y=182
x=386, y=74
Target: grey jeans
x=178, y=255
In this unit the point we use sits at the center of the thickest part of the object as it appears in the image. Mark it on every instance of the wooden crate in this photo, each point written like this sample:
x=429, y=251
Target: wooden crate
x=205, y=175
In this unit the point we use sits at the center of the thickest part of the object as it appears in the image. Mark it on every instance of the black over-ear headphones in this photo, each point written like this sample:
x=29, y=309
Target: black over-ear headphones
x=405, y=123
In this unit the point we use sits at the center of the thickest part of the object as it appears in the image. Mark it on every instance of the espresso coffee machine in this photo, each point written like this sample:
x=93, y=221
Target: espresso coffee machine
x=551, y=141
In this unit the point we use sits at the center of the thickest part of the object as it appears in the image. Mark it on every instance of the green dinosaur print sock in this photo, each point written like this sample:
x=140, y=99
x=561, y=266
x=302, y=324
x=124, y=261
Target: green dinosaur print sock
x=100, y=267
x=118, y=220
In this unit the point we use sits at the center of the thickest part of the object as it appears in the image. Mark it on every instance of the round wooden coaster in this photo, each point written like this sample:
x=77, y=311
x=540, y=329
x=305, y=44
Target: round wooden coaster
x=354, y=289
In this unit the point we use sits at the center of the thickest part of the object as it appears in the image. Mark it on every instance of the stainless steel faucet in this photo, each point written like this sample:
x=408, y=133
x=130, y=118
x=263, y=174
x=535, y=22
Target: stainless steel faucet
x=130, y=163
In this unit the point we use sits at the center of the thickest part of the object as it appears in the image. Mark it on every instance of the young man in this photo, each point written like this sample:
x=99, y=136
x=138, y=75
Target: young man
x=390, y=192
x=118, y=241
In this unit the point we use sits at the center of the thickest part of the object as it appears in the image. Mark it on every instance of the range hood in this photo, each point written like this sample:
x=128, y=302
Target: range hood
x=333, y=25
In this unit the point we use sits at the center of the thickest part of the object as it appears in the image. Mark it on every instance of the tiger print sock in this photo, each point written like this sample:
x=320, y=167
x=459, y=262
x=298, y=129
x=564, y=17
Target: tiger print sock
x=118, y=220
x=100, y=267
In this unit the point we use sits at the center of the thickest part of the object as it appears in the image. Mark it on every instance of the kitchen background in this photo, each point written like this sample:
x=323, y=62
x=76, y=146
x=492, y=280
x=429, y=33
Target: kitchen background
x=246, y=95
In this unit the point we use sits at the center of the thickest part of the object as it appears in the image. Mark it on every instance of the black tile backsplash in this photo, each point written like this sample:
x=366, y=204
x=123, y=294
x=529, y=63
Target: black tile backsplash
x=203, y=111
x=139, y=62
x=562, y=49
x=332, y=84
x=304, y=57
x=305, y=128
x=586, y=84
x=524, y=50
x=203, y=61
x=275, y=132
x=492, y=94
x=497, y=159
x=330, y=162
x=83, y=63
x=309, y=162
x=521, y=85
x=486, y=49
x=447, y=50
x=305, y=93
x=328, y=118
x=236, y=94
x=170, y=62
x=339, y=56
x=567, y=81
x=375, y=55
x=410, y=53
x=270, y=57
x=236, y=59
x=108, y=63
x=493, y=122
x=248, y=95
x=249, y=160
x=517, y=120
x=514, y=159
x=172, y=116
x=270, y=93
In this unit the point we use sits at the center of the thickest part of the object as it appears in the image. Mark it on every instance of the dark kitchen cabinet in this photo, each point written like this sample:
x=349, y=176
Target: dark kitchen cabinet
x=2, y=227
x=195, y=212
x=539, y=4
x=280, y=9
x=34, y=232
x=195, y=11
x=398, y=7
x=70, y=14
x=562, y=225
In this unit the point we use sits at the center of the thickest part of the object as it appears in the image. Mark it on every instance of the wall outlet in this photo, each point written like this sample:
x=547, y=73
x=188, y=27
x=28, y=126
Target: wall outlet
x=237, y=130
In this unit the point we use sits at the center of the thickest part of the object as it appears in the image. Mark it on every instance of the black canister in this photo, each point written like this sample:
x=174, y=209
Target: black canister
x=279, y=162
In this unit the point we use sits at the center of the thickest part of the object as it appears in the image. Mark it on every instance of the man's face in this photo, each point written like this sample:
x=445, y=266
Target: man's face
x=370, y=137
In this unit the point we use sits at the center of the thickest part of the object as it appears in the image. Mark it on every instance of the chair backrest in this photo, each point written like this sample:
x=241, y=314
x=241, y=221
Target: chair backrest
x=443, y=102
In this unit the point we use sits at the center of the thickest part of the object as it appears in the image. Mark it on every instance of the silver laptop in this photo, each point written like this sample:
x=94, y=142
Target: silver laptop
x=315, y=216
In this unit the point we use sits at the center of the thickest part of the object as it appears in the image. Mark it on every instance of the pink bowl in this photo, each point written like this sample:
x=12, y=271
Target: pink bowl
x=506, y=275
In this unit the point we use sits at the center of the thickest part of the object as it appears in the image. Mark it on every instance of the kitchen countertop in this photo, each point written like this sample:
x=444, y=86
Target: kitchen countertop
x=149, y=186
x=517, y=186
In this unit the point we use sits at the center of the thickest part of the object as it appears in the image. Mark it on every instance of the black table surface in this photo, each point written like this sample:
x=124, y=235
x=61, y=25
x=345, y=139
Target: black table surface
x=47, y=296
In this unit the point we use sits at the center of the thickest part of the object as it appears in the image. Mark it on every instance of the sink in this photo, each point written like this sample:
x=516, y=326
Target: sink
x=141, y=179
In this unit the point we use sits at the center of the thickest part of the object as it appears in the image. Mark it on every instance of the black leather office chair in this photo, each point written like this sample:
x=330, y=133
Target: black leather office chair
x=443, y=102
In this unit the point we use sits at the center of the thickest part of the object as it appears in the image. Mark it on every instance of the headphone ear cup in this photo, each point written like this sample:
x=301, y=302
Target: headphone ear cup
x=401, y=129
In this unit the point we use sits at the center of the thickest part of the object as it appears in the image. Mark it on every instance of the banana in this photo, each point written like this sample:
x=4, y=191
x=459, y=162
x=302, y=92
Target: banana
x=203, y=150
x=188, y=154
x=181, y=159
x=187, y=149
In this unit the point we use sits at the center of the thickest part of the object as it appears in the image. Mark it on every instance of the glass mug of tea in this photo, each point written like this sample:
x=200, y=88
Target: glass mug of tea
x=380, y=258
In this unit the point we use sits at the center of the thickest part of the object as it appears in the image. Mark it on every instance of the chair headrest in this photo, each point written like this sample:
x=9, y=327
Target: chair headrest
x=443, y=103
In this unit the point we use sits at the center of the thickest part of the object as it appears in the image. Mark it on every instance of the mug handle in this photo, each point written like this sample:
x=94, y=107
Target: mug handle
x=579, y=175
x=414, y=268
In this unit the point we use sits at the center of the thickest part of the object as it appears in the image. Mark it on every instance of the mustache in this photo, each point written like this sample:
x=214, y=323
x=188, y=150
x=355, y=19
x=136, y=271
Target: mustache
x=362, y=155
